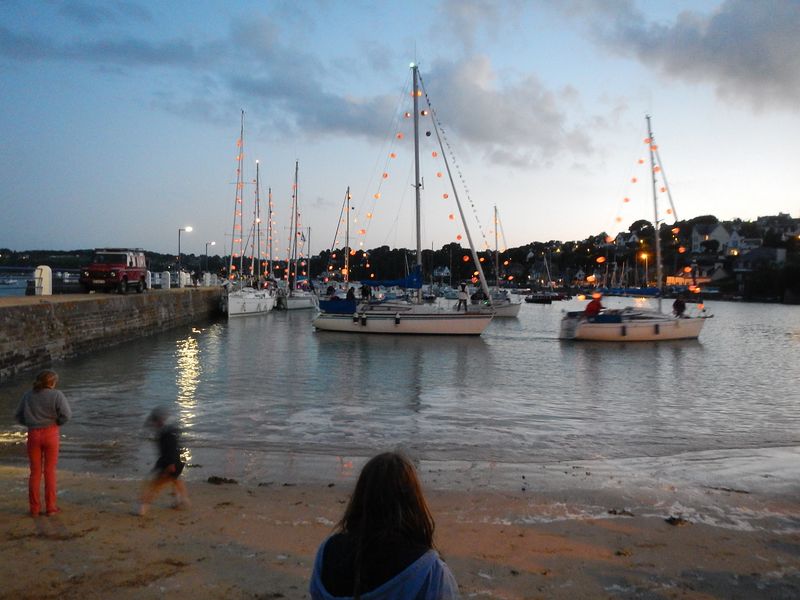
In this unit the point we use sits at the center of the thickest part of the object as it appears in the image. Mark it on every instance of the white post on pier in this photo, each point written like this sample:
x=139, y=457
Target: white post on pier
x=165, y=282
x=43, y=279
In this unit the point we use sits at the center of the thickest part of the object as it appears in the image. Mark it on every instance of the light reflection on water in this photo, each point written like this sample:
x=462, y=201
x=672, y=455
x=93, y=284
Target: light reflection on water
x=515, y=394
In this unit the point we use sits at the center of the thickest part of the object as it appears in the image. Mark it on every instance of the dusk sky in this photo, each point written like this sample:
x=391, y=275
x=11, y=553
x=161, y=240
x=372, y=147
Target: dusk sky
x=119, y=120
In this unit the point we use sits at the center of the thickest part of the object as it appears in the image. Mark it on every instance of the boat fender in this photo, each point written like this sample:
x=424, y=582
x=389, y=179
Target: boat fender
x=397, y=318
x=355, y=318
x=624, y=331
x=658, y=328
x=363, y=319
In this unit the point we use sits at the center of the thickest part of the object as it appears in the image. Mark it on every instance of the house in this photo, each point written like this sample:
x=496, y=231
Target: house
x=738, y=244
x=626, y=239
x=441, y=272
x=760, y=258
x=782, y=224
x=707, y=233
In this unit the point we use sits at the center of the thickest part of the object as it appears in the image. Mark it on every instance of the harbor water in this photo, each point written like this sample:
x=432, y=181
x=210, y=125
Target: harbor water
x=264, y=397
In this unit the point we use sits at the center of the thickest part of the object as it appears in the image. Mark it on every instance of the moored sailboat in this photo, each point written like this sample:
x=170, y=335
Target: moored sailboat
x=396, y=317
x=635, y=324
x=502, y=303
x=241, y=299
x=293, y=297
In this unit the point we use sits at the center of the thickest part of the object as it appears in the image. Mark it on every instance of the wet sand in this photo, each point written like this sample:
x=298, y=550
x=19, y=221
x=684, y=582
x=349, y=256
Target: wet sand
x=250, y=540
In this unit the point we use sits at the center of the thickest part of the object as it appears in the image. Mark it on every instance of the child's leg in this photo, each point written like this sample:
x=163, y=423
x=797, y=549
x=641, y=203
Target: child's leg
x=150, y=490
x=181, y=495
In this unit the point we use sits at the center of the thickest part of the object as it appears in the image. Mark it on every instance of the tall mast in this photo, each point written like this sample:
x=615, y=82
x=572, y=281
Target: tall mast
x=651, y=146
x=237, y=205
x=496, y=252
x=475, y=258
x=347, y=237
x=256, y=250
x=417, y=183
x=269, y=232
x=294, y=231
x=308, y=257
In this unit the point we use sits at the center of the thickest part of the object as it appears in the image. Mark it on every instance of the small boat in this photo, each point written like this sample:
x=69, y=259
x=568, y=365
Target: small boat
x=399, y=317
x=544, y=297
x=634, y=324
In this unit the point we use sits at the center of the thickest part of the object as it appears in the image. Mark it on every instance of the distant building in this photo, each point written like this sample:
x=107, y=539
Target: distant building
x=738, y=244
x=760, y=258
x=782, y=224
x=705, y=233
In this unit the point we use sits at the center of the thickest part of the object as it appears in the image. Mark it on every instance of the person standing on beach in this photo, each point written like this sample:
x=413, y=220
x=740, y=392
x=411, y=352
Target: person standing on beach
x=43, y=410
x=169, y=465
x=383, y=547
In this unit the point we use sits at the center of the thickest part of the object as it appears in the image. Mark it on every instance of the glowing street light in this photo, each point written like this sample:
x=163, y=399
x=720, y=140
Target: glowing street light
x=645, y=256
x=187, y=229
x=207, y=245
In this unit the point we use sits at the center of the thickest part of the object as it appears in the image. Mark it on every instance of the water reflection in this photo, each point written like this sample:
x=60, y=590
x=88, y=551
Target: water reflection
x=188, y=371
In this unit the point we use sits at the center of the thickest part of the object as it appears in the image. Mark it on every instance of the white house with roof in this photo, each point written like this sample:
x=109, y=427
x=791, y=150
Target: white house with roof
x=738, y=244
x=705, y=233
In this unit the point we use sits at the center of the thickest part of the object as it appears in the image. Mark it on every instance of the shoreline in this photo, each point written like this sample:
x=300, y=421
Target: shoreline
x=258, y=540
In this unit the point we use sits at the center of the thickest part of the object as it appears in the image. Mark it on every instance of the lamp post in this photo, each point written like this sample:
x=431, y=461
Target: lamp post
x=187, y=229
x=645, y=257
x=207, y=245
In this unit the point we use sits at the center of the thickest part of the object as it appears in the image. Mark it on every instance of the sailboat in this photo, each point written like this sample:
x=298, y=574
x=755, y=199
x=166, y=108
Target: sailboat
x=294, y=297
x=632, y=324
x=240, y=298
x=547, y=296
x=503, y=305
x=415, y=317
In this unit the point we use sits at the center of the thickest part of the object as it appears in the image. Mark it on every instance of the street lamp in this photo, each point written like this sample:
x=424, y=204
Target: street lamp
x=645, y=255
x=207, y=245
x=187, y=229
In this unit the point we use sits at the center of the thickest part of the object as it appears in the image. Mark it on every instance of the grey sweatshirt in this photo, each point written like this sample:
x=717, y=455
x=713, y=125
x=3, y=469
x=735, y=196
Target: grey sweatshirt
x=42, y=408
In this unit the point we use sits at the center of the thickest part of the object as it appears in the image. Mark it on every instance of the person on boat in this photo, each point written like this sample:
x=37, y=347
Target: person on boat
x=351, y=293
x=679, y=306
x=594, y=307
x=43, y=410
x=462, y=297
x=331, y=292
x=366, y=293
x=383, y=545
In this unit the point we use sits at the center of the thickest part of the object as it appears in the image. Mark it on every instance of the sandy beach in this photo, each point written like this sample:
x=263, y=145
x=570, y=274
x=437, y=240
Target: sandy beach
x=257, y=540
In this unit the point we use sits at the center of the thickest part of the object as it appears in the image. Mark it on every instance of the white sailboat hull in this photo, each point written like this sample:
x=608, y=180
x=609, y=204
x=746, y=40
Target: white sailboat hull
x=246, y=302
x=630, y=326
x=298, y=302
x=506, y=310
x=404, y=319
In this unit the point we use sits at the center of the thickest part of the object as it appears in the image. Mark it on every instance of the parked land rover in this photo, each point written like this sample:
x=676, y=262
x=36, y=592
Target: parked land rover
x=119, y=269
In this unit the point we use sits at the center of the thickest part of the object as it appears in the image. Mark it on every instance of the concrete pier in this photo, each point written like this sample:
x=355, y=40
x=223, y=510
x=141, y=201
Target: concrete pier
x=35, y=331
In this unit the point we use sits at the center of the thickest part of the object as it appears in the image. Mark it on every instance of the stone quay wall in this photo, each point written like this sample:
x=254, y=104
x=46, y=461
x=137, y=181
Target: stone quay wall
x=36, y=331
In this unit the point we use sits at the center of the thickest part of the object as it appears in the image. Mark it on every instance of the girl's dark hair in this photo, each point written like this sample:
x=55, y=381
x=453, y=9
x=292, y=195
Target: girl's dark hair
x=388, y=502
x=45, y=379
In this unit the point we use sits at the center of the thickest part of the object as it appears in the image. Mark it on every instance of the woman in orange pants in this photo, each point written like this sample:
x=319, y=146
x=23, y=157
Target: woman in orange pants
x=43, y=410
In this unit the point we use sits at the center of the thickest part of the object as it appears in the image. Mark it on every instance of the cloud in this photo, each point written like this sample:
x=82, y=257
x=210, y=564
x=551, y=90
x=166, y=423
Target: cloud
x=92, y=15
x=26, y=47
x=748, y=50
x=519, y=123
x=466, y=20
x=289, y=91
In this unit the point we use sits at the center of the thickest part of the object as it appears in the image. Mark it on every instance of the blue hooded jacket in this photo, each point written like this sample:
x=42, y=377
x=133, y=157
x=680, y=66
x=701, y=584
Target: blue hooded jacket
x=427, y=578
